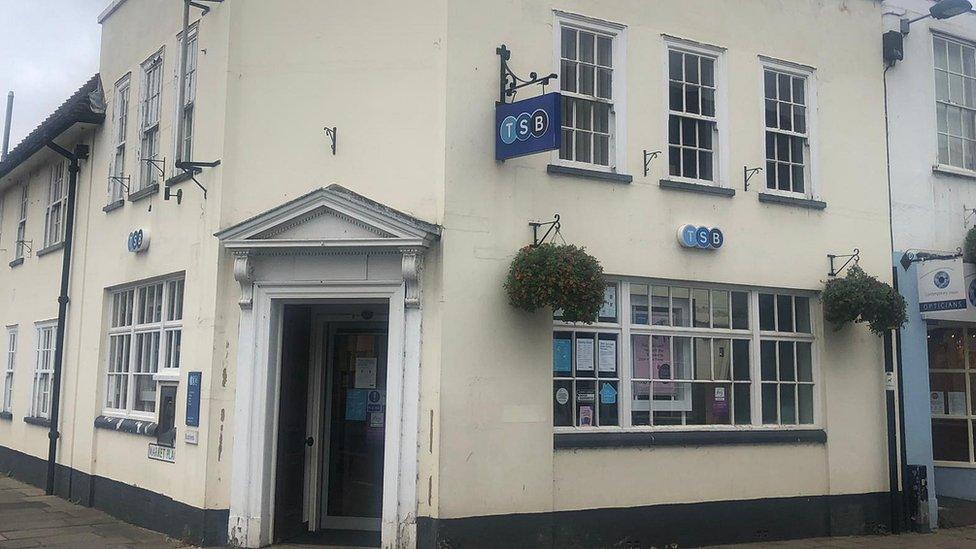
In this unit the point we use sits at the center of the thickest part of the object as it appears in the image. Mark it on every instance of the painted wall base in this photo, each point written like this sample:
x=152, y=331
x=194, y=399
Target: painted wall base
x=135, y=505
x=686, y=525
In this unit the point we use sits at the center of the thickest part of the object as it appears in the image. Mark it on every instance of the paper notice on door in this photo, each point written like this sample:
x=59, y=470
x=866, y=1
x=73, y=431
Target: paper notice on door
x=355, y=405
x=365, y=373
x=608, y=355
x=584, y=355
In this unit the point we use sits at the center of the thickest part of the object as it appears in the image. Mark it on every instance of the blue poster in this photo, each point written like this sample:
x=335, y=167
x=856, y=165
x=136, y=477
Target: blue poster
x=562, y=355
x=528, y=126
x=193, y=382
x=608, y=395
x=356, y=404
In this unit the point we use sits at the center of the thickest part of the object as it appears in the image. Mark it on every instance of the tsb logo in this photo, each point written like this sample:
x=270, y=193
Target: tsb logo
x=523, y=126
x=693, y=236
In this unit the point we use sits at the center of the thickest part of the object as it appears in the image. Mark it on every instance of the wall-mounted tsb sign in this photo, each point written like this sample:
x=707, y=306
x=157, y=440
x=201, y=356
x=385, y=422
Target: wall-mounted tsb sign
x=137, y=241
x=941, y=286
x=703, y=238
x=528, y=126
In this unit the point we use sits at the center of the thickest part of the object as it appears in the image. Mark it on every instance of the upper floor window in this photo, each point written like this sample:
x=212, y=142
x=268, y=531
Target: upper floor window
x=9, y=360
x=45, y=347
x=121, y=121
x=787, y=102
x=684, y=354
x=144, y=339
x=152, y=81
x=57, y=197
x=21, y=222
x=693, y=121
x=190, y=88
x=955, y=102
x=590, y=70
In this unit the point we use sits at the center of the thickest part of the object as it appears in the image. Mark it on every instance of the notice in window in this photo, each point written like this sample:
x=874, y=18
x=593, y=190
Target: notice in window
x=957, y=403
x=937, y=403
x=356, y=405
x=365, y=373
x=584, y=355
x=608, y=355
x=562, y=356
x=608, y=311
x=586, y=416
x=661, y=364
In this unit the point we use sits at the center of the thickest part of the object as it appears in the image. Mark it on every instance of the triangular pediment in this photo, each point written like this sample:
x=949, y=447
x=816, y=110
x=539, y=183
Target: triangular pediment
x=331, y=217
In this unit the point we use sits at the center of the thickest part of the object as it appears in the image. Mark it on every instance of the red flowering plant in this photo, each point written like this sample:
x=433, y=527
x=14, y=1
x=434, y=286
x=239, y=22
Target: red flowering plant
x=563, y=277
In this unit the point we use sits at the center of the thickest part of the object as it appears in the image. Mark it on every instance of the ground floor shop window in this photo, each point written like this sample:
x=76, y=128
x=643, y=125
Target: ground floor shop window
x=952, y=382
x=685, y=354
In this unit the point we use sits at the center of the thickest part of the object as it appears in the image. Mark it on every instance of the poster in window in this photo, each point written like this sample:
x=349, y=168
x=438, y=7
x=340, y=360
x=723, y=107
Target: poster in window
x=608, y=312
x=562, y=403
x=642, y=357
x=586, y=416
x=957, y=403
x=562, y=356
x=661, y=365
x=937, y=403
x=584, y=355
x=365, y=373
x=356, y=405
x=608, y=355
x=608, y=402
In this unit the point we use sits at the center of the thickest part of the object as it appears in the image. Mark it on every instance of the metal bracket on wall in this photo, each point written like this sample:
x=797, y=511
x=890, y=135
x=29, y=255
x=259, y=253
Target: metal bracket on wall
x=159, y=164
x=967, y=214
x=509, y=83
x=747, y=174
x=854, y=257
x=648, y=156
x=122, y=180
x=554, y=224
x=332, y=133
x=168, y=193
x=204, y=8
x=29, y=244
x=916, y=256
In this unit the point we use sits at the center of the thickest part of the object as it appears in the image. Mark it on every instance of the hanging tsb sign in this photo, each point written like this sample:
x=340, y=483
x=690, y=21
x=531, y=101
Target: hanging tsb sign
x=527, y=127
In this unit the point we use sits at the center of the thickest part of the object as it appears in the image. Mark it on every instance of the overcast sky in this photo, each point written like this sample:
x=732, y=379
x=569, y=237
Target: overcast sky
x=48, y=49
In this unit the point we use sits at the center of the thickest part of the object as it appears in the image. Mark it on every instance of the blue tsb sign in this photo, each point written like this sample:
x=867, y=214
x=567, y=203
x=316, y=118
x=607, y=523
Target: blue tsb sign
x=528, y=126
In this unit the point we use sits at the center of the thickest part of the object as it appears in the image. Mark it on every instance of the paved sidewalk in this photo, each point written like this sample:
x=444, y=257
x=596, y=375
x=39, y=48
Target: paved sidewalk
x=945, y=538
x=28, y=518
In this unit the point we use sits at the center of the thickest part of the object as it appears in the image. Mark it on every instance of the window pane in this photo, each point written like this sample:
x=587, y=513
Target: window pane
x=562, y=399
x=740, y=360
x=703, y=358
x=609, y=407
x=742, y=400
x=676, y=96
x=802, y=305
x=659, y=306
x=722, y=358
x=640, y=405
x=701, y=309
x=955, y=57
x=804, y=361
x=805, y=404
x=586, y=47
x=767, y=318
x=771, y=119
x=568, y=41
x=769, y=403
x=681, y=307
x=946, y=349
x=720, y=309
x=705, y=165
x=145, y=393
x=768, y=360
x=641, y=351
x=950, y=439
x=708, y=71
x=680, y=363
x=941, y=86
x=710, y=404
x=585, y=403
x=740, y=310
x=604, y=83
x=939, y=51
x=567, y=77
x=582, y=146
x=948, y=392
x=787, y=403
x=692, y=99
x=604, y=51
x=675, y=65
x=639, y=304
x=784, y=313
x=586, y=79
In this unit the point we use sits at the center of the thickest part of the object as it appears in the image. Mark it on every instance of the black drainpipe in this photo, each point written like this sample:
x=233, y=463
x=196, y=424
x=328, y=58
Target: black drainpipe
x=81, y=153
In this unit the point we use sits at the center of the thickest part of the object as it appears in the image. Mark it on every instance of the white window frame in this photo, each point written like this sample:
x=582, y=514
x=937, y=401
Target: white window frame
x=169, y=325
x=189, y=100
x=45, y=348
x=624, y=327
x=123, y=90
x=938, y=164
x=617, y=153
x=10, y=363
x=968, y=371
x=809, y=74
x=150, y=114
x=57, y=198
x=720, y=139
x=21, y=234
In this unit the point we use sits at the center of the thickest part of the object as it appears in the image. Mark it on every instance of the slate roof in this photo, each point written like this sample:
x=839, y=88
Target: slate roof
x=87, y=105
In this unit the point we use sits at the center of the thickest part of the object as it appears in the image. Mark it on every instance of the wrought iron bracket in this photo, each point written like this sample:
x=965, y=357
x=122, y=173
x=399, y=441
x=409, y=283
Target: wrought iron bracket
x=554, y=224
x=648, y=156
x=204, y=8
x=29, y=244
x=122, y=180
x=916, y=256
x=967, y=215
x=854, y=257
x=509, y=83
x=159, y=164
x=332, y=133
x=747, y=174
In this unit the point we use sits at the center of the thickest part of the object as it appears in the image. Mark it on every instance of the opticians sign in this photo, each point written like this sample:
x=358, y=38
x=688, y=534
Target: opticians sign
x=941, y=287
x=700, y=237
x=527, y=127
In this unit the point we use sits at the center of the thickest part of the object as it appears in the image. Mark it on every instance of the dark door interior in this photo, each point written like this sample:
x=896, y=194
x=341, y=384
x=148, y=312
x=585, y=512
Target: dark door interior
x=292, y=414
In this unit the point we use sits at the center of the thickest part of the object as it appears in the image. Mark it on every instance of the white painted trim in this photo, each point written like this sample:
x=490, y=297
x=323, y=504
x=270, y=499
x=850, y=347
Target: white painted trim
x=108, y=11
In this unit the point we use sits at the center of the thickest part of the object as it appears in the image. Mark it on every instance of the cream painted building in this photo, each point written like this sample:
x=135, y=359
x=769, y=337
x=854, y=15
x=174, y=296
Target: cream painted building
x=311, y=336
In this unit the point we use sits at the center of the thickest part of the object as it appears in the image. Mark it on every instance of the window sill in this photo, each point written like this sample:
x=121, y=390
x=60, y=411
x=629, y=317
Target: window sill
x=113, y=205
x=952, y=170
x=808, y=203
x=50, y=249
x=632, y=439
x=7, y=416
x=39, y=421
x=17, y=262
x=671, y=184
x=143, y=193
x=589, y=174
x=167, y=377
x=142, y=427
x=181, y=177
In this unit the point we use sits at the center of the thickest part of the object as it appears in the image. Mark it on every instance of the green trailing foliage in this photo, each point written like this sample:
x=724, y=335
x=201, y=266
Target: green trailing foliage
x=559, y=276
x=859, y=297
x=969, y=246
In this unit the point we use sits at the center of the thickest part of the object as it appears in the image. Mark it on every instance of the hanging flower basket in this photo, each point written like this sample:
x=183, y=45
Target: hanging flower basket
x=859, y=297
x=560, y=276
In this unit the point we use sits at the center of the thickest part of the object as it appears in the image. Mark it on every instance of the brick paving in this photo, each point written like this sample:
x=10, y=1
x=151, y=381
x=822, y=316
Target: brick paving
x=28, y=518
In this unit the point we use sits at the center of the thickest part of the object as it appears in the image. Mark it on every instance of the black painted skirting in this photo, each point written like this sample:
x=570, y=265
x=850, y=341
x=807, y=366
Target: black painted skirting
x=638, y=439
x=685, y=525
x=132, y=504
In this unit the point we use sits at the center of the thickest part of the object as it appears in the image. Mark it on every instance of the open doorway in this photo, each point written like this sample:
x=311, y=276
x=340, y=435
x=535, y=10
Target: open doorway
x=331, y=423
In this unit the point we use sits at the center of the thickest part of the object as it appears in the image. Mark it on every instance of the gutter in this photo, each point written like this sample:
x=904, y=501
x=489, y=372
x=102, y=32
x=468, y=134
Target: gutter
x=80, y=153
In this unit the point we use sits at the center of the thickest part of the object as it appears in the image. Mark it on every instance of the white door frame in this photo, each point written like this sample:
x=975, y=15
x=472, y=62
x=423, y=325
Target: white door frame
x=256, y=405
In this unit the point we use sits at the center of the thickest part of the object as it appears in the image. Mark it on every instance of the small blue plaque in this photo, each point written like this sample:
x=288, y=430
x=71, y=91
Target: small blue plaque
x=193, y=384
